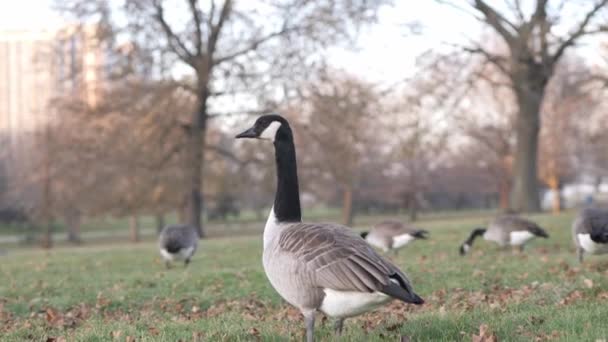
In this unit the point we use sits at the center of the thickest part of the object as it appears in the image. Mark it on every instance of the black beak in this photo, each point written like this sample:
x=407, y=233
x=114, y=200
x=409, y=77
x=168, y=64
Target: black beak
x=250, y=133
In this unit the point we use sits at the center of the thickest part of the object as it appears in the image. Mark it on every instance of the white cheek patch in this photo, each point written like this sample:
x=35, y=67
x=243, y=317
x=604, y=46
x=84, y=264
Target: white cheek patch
x=271, y=131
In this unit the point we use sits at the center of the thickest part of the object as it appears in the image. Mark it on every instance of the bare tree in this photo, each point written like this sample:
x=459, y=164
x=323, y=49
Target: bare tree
x=228, y=48
x=338, y=127
x=418, y=138
x=534, y=45
x=490, y=123
x=567, y=101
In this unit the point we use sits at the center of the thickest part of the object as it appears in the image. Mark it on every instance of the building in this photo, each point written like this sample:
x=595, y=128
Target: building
x=79, y=63
x=25, y=85
x=36, y=68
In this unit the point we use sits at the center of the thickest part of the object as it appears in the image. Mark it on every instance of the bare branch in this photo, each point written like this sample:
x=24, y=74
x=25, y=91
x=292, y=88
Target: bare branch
x=174, y=41
x=253, y=45
x=580, y=31
x=515, y=6
x=216, y=28
x=196, y=16
x=496, y=60
x=496, y=20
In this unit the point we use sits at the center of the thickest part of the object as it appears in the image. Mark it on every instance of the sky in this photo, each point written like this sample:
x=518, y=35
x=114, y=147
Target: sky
x=386, y=52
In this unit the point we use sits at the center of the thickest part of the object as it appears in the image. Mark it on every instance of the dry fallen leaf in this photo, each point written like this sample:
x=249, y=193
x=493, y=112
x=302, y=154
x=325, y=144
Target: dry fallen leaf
x=485, y=335
x=588, y=282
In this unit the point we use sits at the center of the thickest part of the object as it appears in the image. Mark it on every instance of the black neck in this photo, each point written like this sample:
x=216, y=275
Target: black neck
x=287, y=199
x=474, y=234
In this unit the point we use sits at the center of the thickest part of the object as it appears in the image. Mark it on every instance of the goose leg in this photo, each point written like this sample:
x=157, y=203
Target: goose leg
x=186, y=262
x=167, y=264
x=339, y=325
x=309, y=319
x=579, y=253
x=521, y=248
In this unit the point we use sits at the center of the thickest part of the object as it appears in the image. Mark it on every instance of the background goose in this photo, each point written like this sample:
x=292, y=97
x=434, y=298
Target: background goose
x=392, y=235
x=178, y=242
x=314, y=266
x=590, y=232
x=506, y=230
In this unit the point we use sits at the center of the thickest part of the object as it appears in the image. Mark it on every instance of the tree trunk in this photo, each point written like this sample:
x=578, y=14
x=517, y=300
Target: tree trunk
x=196, y=142
x=524, y=194
x=413, y=207
x=347, y=206
x=47, y=236
x=134, y=228
x=504, y=193
x=182, y=211
x=160, y=222
x=72, y=221
x=555, y=186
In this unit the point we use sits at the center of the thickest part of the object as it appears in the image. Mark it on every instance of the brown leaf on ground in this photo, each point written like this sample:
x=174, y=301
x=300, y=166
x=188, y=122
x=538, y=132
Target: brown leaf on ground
x=101, y=302
x=405, y=339
x=588, y=282
x=255, y=333
x=130, y=339
x=153, y=331
x=198, y=336
x=52, y=316
x=554, y=335
x=571, y=297
x=394, y=327
x=485, y=335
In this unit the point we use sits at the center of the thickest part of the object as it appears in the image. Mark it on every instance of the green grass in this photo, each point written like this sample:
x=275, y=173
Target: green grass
x=115, y=292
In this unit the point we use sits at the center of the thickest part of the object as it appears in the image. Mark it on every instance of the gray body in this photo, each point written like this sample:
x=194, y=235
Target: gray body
x=392, y=235
x=178, y=242
x=590, y=222
x=506, y=230
x=329, y=268
x=501, y=229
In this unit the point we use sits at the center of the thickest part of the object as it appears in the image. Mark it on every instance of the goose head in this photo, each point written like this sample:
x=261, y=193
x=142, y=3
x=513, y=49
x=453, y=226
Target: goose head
x=271, y=127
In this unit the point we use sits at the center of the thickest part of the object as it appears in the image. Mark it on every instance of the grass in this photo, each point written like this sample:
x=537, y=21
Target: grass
x=123, y=293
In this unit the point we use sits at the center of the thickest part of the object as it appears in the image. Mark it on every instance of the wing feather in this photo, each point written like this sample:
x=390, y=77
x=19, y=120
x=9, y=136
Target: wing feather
x=339, y=259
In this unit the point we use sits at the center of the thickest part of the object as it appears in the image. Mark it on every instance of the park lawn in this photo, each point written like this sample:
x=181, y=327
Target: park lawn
x=122, y=292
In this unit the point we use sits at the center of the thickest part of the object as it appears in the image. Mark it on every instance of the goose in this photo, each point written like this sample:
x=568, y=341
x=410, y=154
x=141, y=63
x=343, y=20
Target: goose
x=178, y=242
x=506, y=230
x=392, y=235
x=590, y=232
x=322, y=267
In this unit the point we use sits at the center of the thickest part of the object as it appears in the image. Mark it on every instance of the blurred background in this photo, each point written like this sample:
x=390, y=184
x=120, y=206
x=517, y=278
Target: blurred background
x=117, y=117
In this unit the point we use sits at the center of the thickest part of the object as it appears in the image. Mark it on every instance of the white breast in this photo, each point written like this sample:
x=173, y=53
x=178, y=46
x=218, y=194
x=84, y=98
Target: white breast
x=520, y=237
x=402, y=240
x=591, y=246
x=344, y=304
x=272, y=228
x=182, y=254
x=377, y=241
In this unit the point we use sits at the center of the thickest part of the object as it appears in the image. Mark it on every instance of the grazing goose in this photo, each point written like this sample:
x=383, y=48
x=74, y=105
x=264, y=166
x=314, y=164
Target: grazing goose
x=590, y=232
x=392, y=235
x=506, y=230
x=317, y=266
x=178, y=242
